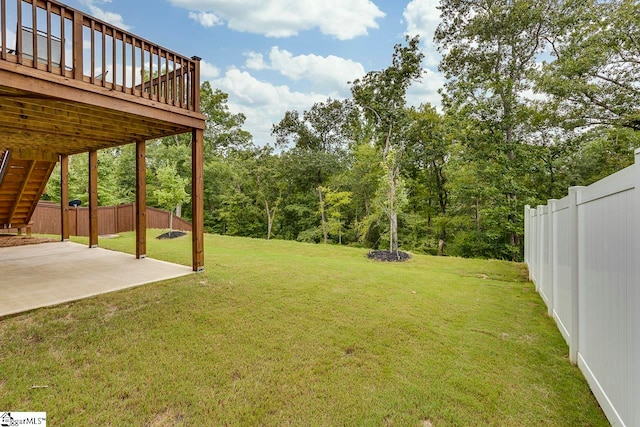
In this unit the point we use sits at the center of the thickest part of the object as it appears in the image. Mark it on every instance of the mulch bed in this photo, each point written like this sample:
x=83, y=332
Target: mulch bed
x=10, y=240
x=388, y=256
x=171, y=235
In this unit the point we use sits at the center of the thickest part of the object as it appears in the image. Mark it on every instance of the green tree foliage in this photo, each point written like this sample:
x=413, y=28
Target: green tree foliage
x=427, y=152
x=489, y=51
x=362, y=179
x=596, y=68
x=382, y=96
x=224, y=129
x=327, y=127
x=109, y=190
x=317, y=144
x=171, y=191
x=269, y=184
x=335, y=204
x=601, y=152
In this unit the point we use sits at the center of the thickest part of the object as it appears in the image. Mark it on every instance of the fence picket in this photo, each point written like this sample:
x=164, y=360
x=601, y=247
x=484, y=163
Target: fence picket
x=111, y=219
x=582, y=253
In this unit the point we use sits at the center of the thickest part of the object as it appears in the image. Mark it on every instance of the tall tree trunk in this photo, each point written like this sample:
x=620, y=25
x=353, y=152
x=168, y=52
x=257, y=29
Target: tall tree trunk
x=511, y=196
x=322, y=214
x=170, y=223
x=393, y=214
x=442, y=201
x=515, y=242
x=270, y=216
x=394, y=173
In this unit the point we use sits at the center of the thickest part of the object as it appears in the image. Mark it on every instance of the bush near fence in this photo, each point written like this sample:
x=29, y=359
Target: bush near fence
x=111, y=219
x=583, y=253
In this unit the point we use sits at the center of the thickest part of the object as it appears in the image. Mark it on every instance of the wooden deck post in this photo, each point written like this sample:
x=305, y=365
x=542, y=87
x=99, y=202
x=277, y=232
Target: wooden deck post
x=141, y=200
x=64, y=198
x=93, y=199
x=197, y=201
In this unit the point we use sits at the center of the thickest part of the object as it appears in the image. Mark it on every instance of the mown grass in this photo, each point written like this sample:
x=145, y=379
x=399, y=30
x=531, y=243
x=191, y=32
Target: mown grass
x=283, y=333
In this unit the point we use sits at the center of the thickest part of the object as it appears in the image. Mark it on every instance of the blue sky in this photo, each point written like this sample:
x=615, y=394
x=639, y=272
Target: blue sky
x=271, y=56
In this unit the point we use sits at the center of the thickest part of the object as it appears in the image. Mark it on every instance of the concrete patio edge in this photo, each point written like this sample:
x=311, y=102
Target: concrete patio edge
x=48, y=274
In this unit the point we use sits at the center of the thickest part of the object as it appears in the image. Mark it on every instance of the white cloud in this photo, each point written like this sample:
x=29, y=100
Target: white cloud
x=284, y=18
x=263, y=103
x=206, y=19
x=423, y=17
x=426, y=90
x=109, y=17
x=255, y=61
x=208, y=71
x=326, y=73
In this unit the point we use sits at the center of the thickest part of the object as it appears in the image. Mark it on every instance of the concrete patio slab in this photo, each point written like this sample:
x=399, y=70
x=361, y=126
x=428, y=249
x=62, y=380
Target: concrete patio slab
x=47, y=274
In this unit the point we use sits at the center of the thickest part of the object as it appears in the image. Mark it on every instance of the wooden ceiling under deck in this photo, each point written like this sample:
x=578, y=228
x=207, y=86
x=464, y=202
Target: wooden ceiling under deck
x=42, y=123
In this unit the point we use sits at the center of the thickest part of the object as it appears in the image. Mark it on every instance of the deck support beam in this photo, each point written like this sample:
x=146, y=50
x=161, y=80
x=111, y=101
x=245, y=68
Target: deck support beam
x=93, y=199
x=141, y=200
x=197, y=200
x=64, y=198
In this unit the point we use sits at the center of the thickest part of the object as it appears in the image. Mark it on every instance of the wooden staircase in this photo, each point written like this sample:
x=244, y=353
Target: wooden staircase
x=22, y=182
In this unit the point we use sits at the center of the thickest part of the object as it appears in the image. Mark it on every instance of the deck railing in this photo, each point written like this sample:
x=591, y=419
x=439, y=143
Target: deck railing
x=69, y=43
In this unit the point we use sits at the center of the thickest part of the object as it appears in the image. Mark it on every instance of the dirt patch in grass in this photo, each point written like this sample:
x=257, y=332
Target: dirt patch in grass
x=389, y=256
x=168, y=417
x=10, y=240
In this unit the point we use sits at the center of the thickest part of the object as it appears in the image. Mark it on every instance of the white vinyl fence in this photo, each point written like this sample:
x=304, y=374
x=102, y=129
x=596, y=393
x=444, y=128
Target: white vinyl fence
x=583, y=253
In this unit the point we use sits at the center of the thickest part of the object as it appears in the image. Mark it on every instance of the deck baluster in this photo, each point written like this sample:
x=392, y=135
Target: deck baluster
x=63, y=53
x=19, y=33
x=34, y=34
x=3, y=28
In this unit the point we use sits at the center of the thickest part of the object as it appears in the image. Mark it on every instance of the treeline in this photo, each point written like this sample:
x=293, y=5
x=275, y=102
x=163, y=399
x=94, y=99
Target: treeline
x=540, y=96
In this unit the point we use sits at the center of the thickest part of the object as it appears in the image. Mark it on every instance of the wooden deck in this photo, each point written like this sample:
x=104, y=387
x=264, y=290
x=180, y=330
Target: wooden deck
x=70, y=84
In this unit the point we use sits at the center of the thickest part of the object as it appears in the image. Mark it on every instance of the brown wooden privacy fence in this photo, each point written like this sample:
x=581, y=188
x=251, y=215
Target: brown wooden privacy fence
x=49, y=36
x=111, y=219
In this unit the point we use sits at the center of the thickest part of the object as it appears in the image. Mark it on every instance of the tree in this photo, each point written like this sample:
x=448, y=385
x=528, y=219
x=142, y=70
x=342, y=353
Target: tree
x=382, y=96
x=319, y=139
x=223, y=136
x=602, y=152
x=108, y=190
x=123, y=170
x=267, y=173
x=172, y=190
x=325, y=127
x=223, y=130
x=336, y=202
x=594, y=76
x=489, y=51
x=427, y=152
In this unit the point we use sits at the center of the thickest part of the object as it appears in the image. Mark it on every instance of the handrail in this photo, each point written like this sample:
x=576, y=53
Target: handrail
x=78, y=46
x=5, y=158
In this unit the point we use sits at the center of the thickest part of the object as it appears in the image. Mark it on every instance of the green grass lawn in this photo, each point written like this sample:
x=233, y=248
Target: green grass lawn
x=284, y=333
